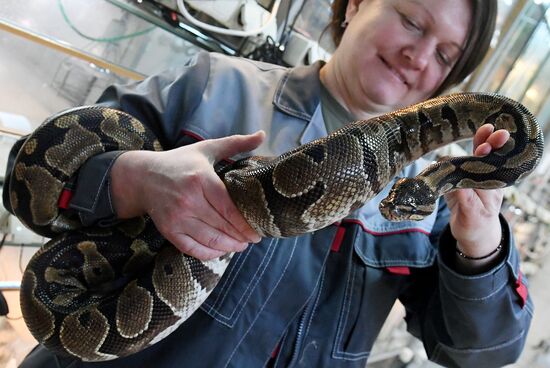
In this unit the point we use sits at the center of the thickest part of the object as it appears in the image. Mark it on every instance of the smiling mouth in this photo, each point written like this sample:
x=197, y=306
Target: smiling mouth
x=397, y=74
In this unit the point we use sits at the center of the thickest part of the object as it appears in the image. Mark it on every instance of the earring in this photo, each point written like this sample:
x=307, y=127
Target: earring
x=344, y=24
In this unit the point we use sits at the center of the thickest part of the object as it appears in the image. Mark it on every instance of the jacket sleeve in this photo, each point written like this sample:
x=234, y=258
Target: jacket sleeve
x=163, y=103
x=469, y=321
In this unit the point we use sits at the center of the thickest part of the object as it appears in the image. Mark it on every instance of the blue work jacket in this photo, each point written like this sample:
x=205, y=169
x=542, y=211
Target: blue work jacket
x=320, y=299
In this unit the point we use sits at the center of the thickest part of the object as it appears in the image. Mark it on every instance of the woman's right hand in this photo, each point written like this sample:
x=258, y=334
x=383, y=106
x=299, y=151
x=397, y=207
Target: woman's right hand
x=184, y=196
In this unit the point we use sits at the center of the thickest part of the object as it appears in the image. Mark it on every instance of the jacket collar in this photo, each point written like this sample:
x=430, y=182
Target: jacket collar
x=298, y=93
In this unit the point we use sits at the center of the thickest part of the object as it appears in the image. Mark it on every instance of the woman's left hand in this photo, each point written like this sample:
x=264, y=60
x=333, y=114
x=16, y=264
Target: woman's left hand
x=474, y=219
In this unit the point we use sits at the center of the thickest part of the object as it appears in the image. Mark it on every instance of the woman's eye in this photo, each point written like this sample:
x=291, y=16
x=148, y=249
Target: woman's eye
x=443, y=58
x=410, y=23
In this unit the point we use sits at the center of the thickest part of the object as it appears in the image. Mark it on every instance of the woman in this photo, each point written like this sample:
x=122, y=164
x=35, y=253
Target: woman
x=320, y=299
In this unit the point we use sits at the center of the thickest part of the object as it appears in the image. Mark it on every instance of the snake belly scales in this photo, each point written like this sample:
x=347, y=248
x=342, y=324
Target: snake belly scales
x=99, y=293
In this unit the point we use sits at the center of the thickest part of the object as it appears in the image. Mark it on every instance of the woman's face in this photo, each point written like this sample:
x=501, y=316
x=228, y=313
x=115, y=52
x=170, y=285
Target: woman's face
x=398, y=52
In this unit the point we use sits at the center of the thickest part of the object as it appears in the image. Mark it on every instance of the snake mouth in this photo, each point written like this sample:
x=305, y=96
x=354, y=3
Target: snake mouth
x=395, y=213
x=389, y=211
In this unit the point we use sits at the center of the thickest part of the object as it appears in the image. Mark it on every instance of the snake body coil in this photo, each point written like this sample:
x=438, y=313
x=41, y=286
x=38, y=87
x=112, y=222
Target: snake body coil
x=102, y=293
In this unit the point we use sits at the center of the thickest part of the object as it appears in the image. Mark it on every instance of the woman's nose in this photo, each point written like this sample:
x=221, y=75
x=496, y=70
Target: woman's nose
x=418, y=54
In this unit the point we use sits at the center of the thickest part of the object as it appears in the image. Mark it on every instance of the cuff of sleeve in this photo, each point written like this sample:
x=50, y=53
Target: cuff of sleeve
x=92, y=194
x=480, y=286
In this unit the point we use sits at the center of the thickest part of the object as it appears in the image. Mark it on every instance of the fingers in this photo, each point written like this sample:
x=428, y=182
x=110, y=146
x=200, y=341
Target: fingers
x=195, y=225
x=498, y=138
x=189, y=246
x=189, y=203
x=199, y=239
x=482, y=134
x=472, y=207
x=216, y=194
x=213, y=238
x=232, y=226
x=483, y=149
x=486, y=139
x=218, y=149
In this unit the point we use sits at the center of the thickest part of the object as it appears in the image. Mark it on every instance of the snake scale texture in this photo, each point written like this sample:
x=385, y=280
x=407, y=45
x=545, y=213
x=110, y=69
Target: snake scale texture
x=100, y=293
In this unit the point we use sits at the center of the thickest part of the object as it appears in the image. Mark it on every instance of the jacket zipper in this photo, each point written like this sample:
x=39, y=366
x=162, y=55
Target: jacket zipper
x=299, y=337
x=305, y=318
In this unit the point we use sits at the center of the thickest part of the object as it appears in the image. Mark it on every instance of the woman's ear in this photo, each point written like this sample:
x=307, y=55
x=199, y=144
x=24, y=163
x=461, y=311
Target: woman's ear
x=352, y=9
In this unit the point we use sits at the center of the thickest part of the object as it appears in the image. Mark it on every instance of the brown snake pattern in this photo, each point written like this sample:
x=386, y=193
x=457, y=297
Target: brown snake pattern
x=101, y=293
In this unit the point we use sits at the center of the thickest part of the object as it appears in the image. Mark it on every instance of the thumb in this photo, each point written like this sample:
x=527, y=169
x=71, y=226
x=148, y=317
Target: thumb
x=226, y=147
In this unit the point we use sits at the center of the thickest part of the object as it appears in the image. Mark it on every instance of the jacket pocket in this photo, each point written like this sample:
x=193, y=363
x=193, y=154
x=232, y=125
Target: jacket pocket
x=354, y=334
x=378, y=268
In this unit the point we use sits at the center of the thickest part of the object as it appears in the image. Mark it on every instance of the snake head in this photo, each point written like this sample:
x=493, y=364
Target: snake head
x=409, y=199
